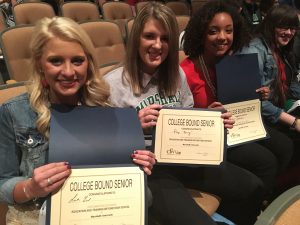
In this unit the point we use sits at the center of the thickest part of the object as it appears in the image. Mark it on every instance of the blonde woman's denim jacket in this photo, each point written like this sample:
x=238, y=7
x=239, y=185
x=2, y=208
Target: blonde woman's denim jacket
x=268, y=71
x=22, y=147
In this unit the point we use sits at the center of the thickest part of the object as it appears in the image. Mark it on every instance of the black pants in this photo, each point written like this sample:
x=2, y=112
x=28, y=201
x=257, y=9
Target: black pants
x=172, y=204
x=293, y=136
x=281, y=145
x=241, y=193
x=258, y=160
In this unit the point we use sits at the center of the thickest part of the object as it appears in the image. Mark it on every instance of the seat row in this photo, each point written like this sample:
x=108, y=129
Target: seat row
x=105, y=35
x=30, y=12
x=79, y=11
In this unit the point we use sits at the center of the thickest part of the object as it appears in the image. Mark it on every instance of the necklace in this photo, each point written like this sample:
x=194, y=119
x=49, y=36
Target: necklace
x=206, y=76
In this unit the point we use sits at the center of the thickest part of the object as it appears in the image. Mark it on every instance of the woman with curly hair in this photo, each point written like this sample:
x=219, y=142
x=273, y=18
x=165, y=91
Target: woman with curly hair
x=64, y=71
x=215, y=31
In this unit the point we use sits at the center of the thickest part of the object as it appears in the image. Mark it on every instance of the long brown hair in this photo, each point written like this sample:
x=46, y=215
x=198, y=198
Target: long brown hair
x=279, y=16
x=168, y=74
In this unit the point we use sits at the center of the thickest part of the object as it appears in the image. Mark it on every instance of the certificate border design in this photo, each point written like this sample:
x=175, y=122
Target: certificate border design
x=212, y=113
x=181, y=159
x=142, y=183
x=250, y=138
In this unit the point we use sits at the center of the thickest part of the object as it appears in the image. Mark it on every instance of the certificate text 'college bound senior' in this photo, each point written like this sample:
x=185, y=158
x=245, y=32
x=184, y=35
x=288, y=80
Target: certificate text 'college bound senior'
x=248, y=122
x=114, y=195
x=189, y=137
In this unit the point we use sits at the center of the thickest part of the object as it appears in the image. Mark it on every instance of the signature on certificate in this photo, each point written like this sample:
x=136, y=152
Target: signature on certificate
x=188, y=133
x=76, y=198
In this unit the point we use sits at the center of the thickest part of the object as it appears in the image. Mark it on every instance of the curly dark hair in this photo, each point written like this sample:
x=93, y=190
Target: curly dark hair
x=197, y=27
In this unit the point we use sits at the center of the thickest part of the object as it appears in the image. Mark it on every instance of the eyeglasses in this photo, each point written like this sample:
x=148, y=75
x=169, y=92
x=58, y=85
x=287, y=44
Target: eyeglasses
x=282, y=29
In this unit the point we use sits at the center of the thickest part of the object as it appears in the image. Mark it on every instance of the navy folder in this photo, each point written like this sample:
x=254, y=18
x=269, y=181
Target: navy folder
x=238, y=78
x=94, y=135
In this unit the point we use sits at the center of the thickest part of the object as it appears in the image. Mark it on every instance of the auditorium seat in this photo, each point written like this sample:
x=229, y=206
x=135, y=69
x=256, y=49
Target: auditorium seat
x=140, y=5
x=179, y=8
x=284, y=210
x=182, y=22
x=119, y=12
x=107, y=39
x=80, y=11
x=31, y=12
x=197, y=4
x=8, y=91
x=15, y=47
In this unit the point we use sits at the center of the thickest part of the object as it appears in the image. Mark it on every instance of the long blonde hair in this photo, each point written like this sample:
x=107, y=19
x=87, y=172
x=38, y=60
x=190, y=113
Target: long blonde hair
x=168, y=78
x=95, y=92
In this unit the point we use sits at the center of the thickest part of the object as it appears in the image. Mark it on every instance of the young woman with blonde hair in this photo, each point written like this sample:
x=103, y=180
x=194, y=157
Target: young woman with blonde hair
x=64, y=71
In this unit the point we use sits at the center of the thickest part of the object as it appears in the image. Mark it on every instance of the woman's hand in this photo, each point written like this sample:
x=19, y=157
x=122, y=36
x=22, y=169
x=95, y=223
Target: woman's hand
x=226, y=116
x=216, y=105
x=148, y=115
x=264, y=93
x=47, y=179
x=227, y=120
x=144, y=158
x=297, y=125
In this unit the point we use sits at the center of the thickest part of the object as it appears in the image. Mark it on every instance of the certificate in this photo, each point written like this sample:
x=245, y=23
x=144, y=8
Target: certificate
x=189, y=137
x=105, y=196
x=248, y=122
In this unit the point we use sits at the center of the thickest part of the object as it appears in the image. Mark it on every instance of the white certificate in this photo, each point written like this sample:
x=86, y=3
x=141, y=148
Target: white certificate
x=189, y=137
x=105, y=196
x=248, y=122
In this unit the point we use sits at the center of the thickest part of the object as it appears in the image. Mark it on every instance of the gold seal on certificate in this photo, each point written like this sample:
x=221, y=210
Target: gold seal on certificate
x=189, y=137
x=248, y=122
x=114, y=195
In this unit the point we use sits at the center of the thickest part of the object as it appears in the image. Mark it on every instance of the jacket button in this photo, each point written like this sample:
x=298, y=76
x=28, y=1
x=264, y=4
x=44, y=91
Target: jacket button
x=30, y=141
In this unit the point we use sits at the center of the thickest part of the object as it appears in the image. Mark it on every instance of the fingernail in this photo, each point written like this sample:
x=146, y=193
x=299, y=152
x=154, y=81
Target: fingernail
x=66, y=163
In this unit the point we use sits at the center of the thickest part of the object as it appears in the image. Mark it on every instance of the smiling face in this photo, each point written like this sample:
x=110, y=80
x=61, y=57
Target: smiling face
x=64, y=66
x=154, y=46
x=219, y=36
x=283, y=36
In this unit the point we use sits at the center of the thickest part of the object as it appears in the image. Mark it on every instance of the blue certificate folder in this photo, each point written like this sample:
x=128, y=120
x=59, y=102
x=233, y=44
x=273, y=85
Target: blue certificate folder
x=238, y=78
x=94, y=135
x=91, y=137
